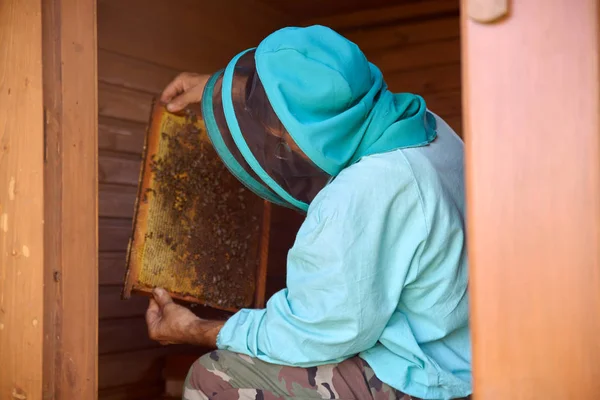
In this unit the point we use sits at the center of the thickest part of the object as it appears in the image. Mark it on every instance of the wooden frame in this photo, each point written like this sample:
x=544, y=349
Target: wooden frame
x=532, y=101
x=48, y=162
x=260, y=291
x=140, y=277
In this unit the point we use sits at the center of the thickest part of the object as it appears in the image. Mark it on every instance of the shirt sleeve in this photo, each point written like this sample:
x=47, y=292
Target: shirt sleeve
x=345, y=274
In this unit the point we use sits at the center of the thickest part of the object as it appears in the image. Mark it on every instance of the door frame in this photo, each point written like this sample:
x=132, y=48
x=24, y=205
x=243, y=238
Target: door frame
x=531, y=104
x=48, y=162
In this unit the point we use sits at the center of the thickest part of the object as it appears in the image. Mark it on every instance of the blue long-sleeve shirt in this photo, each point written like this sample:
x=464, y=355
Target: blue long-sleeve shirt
x=378, y=269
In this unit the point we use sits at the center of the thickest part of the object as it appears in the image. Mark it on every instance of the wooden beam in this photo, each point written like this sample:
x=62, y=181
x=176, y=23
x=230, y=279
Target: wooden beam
x=379, y=16
x=21, y=200
x=70, y=175
x=436, y=79
x=409, y=58
x=531, y=106
x=405, y=34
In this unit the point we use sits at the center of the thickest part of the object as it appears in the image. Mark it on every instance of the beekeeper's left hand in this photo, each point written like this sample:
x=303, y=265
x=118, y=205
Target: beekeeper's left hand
x=170, y=323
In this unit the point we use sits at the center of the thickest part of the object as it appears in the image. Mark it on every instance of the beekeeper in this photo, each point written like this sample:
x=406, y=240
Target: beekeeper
x=376, y=304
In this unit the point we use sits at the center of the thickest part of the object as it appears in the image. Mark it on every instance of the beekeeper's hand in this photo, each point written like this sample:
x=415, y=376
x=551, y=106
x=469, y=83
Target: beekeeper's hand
x=170, y=323
x=184, y=90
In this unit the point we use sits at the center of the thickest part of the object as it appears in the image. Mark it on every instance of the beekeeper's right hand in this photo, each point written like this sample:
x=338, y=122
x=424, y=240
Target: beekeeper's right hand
x=184, y=90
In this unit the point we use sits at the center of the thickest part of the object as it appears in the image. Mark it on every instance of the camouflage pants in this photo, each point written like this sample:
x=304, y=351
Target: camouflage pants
x=222, y=375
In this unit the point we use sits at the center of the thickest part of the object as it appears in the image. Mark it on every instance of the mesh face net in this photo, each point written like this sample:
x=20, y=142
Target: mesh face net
x=269, y=143
x=223, y=131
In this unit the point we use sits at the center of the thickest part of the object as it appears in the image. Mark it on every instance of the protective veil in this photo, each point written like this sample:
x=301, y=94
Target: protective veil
x=288, y=116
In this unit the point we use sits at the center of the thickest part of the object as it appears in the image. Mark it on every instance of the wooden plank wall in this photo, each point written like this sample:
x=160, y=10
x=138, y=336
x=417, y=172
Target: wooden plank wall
x=143, y=44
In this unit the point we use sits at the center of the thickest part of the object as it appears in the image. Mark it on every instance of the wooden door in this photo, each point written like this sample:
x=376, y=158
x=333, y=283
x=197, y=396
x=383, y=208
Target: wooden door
x=531, y=112
x=48, y=213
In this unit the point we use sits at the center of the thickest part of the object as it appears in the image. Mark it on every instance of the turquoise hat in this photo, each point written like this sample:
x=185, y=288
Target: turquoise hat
x=288, y=116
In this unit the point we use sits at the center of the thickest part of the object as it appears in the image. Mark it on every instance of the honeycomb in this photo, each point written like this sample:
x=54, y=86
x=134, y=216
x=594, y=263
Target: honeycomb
x=197, y=230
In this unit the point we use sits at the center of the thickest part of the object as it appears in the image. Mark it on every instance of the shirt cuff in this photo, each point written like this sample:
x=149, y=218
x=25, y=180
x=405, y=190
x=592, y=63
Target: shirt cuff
x=240, y=332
